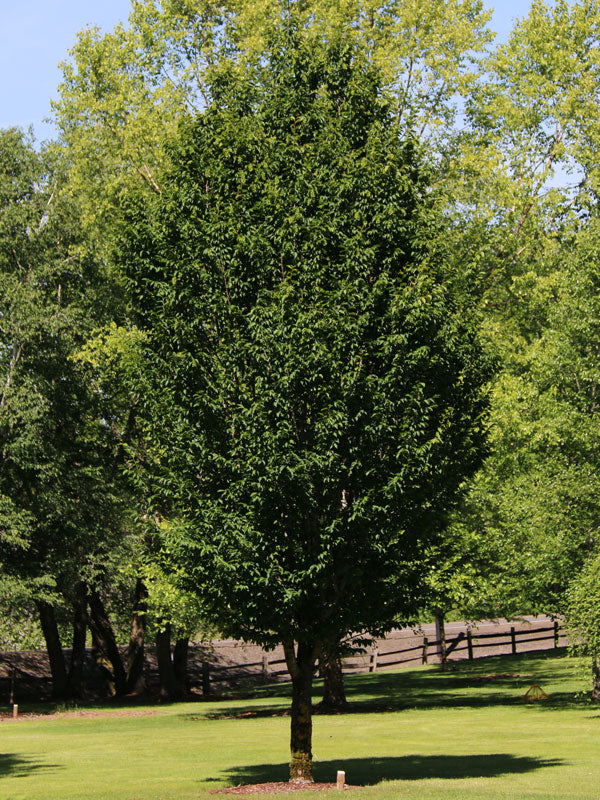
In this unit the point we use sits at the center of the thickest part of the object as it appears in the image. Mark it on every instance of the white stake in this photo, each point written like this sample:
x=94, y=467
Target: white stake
x=15, y=711
x=341, y=779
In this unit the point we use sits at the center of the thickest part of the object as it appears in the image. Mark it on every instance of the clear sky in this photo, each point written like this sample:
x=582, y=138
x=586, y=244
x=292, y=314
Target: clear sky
x=35, y=36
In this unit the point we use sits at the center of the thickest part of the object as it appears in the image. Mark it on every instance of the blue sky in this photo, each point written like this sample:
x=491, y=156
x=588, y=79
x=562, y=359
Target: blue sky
x=35, y=36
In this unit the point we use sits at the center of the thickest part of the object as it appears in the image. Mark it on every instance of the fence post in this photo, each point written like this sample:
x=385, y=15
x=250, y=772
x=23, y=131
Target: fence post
x=425, y=642
x=373, y=660
x=470, y=644
x=555, y=633
x=440, y=635
x=13, y=682
x=513, y=641
x=265, y=665
x=205, y=678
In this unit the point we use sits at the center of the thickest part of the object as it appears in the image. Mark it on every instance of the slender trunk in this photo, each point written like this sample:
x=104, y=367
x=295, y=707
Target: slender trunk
x=166, y=673
x=334, y=695
x=596, y=680
x=136, y=683
x=440, y=635
x=180, y=664
x=301, y=665
x=75, y=679
x=56, y=656
x=105, y=641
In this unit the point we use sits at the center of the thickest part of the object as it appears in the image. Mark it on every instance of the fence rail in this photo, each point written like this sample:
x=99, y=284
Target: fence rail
x=425, y=652
x=472, y=642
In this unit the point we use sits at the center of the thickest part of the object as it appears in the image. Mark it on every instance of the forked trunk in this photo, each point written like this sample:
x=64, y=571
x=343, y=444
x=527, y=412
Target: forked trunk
x=75, y=679
x=596, y=680
x=334, y=695
x=56, y=656
x=440, y=635
x=104, y=640
x=301, y=666
x=135, y=654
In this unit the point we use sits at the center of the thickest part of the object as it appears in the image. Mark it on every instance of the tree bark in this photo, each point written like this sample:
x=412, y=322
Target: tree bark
x=56, y=656
x=169, y=689
x=75, y=678
x=301, y=666
x=440, y=635
x=180, y=664
x=334, y=695
x=596, y=680
x=102, y=662
x=136, y=683
x=105, y=641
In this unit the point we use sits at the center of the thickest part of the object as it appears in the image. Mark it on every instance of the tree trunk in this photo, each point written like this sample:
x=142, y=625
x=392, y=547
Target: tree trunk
x=596, y=680
x=180, y=664
x=301, y=665
x=440, y=635
x=54, y=648
x=136, y=683
x=334, y=695
x=75, y=679
x=102, y=662
x=166, y=673
x=105, y=641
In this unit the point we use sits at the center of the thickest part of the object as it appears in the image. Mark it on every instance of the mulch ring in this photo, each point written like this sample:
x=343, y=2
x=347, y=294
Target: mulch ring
x=278, y=787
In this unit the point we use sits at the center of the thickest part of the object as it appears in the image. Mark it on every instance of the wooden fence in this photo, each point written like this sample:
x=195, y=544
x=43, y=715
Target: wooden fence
x=463, y=642
x=467, y=645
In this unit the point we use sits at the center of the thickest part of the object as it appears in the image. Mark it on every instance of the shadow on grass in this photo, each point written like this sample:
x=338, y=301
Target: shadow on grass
x=15, y=766
x=370, y=771
x=489, y=682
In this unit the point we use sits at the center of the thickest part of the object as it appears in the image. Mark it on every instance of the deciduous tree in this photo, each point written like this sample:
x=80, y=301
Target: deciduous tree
x=58, y=495
x=316, y=376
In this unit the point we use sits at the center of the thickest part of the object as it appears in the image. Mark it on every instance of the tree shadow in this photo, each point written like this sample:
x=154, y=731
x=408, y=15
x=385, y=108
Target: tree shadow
x=370, y=771
x=15, y=766
x=487, y=682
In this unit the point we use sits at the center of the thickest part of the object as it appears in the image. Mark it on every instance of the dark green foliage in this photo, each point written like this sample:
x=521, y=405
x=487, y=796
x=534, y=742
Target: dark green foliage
x=57, y=501
x=317, y=384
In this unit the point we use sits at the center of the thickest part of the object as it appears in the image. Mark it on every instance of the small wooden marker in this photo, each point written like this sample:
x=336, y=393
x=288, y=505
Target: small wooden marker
x=341, y=779
x=15, y=711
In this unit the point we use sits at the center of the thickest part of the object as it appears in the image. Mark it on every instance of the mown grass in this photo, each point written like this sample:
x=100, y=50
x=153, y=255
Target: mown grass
x=411, y=734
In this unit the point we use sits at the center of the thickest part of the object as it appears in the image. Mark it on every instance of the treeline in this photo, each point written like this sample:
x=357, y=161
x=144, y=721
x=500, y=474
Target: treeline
x=299, y=331
x=74, y=543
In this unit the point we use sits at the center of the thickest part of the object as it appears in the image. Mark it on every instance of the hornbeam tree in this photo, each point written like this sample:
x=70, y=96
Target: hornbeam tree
x=313, y=379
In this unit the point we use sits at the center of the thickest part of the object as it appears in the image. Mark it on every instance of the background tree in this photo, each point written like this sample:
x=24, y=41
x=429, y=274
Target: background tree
x=123, y=92
x=525, y=173
x=535, y=502
x=59, y=497
x=583, y=618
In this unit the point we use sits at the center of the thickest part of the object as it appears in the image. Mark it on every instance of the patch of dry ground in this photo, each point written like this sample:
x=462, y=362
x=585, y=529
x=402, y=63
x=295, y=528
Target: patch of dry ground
x=5, y=717
x=278, y=787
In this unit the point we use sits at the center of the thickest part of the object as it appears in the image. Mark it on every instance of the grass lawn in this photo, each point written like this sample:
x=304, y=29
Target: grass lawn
x=412, y=734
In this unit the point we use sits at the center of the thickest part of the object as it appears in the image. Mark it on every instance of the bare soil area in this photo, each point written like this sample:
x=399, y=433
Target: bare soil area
x=8, y=717
x=278, y=787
